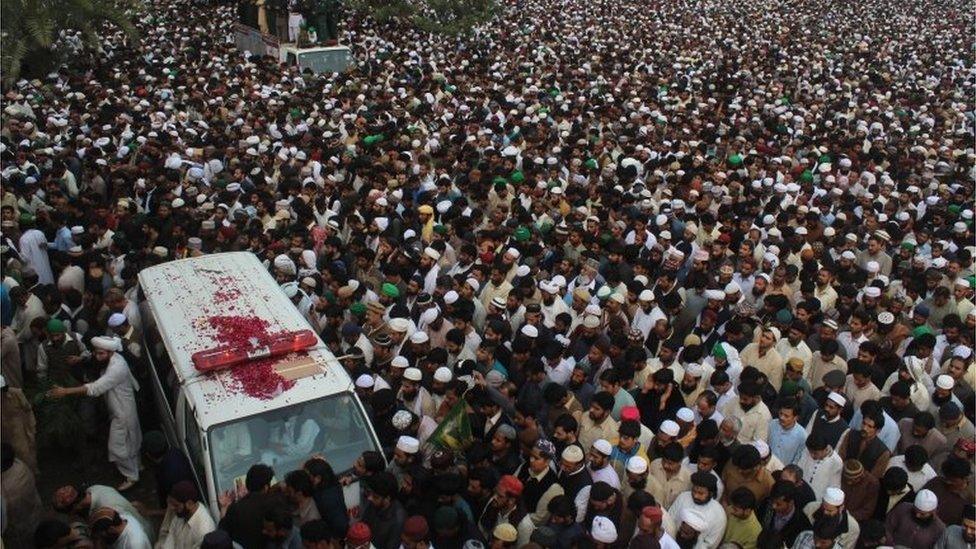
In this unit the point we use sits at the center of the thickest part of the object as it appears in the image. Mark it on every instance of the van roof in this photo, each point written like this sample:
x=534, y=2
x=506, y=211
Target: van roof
x=182, y=295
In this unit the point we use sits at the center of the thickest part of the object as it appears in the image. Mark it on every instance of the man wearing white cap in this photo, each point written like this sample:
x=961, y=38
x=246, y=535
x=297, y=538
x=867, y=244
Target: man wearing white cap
x=701, y=500
x=915, y=524
x=414, y=396
x=552, y=304
x=690, y=530
x=118, y=386
x=601, y=468
x=603, y=532
x=831, y=507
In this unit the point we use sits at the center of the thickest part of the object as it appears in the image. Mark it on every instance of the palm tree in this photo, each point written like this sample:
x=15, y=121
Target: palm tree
x=30, y=30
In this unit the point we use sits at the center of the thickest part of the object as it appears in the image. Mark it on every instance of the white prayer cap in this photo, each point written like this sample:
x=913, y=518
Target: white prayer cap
x=77, y=229
x=926, y=501
x=833, y=496
x=732, y=288
x=451, y=297
x=473, y=282
x=419, y=337
x=513, y=252
x=365, y=381
x=848, y=255
x=401, y=420
x=443, y=375
x=963, y=352
x=530, y=331
x=603, y=530
x=573, y=454
x=686, y=415
x=670, y=428
x=603, y=446
x=693, y=518
x=591, y=321
x=408, y=445
x=413, y=374
x=762, y=447
x=646, y=295
x=432, y=253
x=945, y=382
x=694, y=370
x=717, y=295
x=872, y=291
x=873, y=267
x=106, y=343
x=837, y=398
x=400, y=325
x=400, y=361
x=116, y=320
x=382, y=223
x=637, y=465
x=522, y=270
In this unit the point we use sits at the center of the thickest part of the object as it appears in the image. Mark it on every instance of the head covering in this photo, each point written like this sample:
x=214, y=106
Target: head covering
x=926, y=501
x=603, y=530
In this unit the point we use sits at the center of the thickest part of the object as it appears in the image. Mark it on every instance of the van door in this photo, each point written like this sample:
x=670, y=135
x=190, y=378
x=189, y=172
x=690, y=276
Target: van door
x=191, y=442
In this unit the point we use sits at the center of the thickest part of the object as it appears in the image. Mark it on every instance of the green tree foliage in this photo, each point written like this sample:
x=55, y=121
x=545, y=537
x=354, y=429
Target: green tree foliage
x=30, y=30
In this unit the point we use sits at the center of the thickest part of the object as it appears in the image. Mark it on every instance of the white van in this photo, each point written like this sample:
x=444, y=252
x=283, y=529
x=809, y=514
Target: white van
x=229, y=419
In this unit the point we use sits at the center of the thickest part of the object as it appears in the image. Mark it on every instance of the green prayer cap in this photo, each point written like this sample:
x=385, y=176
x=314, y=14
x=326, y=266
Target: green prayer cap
x=372, y=139
x=908, y=245
x=517, y=176
x=789, y=388
x=590, y=163
x=718, y=351
x=522, y=234
x=954, y=208
x=921, y=330
x=390, y=290
x=499, y=182
x=735, y=160
x=806, y=176
x=56, y=326
x=357, y=308
x=440, y=229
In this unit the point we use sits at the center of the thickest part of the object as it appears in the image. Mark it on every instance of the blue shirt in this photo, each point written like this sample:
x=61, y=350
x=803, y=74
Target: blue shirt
x=786, y=445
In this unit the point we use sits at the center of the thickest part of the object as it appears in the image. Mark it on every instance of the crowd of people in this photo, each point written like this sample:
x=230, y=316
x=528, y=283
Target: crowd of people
x=699, y=273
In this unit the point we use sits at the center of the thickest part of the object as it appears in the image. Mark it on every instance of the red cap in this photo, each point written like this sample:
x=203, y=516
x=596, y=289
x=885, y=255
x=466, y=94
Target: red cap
x=359, y=534
x=629, y=413
x=415, y=528
x=653, y=512
x=510, y=486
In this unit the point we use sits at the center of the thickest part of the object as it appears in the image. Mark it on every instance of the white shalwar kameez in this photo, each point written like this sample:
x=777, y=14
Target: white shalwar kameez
x=118, y=387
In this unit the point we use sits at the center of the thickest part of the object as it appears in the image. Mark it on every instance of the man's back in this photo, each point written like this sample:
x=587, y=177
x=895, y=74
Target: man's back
x=245, y=518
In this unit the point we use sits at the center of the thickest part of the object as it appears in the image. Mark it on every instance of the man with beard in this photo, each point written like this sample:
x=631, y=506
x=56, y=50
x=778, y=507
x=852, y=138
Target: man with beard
x=413, y=396
x=691, y=383
x=915, y=524
x=581, y=389
x=383, y=513
x=832, y=509
x=953, y=489
x=598, y=499
x=574, y=475
x=829, y=424
x=659, y=399
x=540, y=483
x=505, y=506
x=186, y=521
x=119, y=387
x=690, y=530
x=701, y=499
x=597, y=423
x=958, y=536
x=751, y=410
x=763, y=356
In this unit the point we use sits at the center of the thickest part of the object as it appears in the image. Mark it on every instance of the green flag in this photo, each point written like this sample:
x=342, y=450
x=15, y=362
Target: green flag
x=454, y=432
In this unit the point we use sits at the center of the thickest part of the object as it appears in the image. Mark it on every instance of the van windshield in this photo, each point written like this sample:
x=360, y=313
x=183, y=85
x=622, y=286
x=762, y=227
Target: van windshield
x=333, y=427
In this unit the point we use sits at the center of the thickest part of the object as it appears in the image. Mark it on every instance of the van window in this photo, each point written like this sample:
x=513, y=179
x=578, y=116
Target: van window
x=334, y=427
x=162, y=365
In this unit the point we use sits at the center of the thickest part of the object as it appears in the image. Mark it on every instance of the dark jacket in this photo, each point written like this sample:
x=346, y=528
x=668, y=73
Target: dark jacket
x=245, y=518
x=770, y=538
x=332, y=507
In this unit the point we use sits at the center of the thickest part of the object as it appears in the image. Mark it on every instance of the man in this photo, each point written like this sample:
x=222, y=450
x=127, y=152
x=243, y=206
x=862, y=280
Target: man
x=958, y=536
x=597, y=422
x=60, y=352
x=752, y=411
x=861, y=487
x=915, y=524
x=828, y=423
x=300, y=493
x=764, y=357
x=746, y=469
x=244, y=518
x=186, y=521
x=118, y=386
x=601, y=468
x=278, y=529
x=701, y=498
x=117, y=530
x=743, y=528
x=780, y=518
x=953, y=489
x=821, y=465
x=786, y=436
x=18, y=427
x=650, y=529
x=832, y=508
x=21, y=503
x=505, y=507
x=669, y=473
x=383, y=513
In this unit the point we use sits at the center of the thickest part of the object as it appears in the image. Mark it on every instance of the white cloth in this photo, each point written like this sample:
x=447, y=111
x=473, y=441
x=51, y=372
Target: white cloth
x=33, y=249
x=134, y=536
x=125, y=436
x=823, y=473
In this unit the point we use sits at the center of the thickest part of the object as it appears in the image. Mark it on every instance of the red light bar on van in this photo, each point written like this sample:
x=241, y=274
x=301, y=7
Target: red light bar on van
x=220, y=358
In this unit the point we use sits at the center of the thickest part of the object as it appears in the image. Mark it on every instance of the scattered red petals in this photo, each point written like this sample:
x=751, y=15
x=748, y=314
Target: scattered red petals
x=257, y=378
